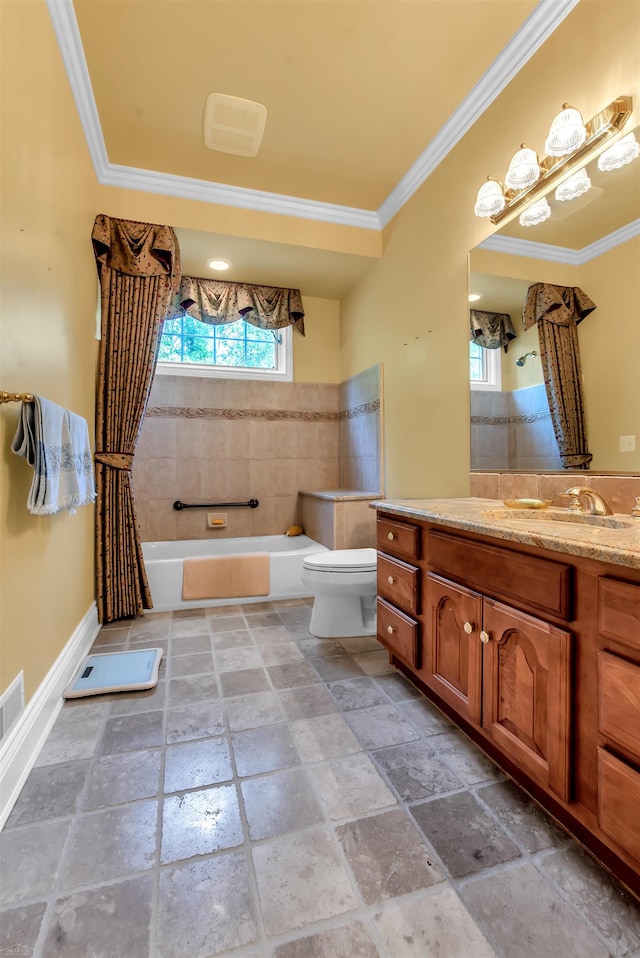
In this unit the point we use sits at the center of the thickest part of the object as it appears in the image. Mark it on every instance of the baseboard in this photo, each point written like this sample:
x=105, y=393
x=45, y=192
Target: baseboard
x=24, y=741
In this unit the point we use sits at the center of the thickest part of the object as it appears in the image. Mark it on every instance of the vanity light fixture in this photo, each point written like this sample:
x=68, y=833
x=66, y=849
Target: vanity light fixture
x=621, y=153
x=474, y=297
x=218, y=264
x=556, y=168
x=524, y=169
x=567, y=132
x=536, y=213
x=575, y=186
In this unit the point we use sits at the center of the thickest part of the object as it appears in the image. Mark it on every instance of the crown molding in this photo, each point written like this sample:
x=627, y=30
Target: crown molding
x=204, y=191
x=538, y=26
x=561, y=254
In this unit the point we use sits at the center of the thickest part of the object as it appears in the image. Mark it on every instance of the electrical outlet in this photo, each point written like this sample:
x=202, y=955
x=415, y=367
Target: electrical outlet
x=627, y=443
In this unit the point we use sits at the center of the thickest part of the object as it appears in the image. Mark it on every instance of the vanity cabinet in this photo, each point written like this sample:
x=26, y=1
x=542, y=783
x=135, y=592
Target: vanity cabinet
x=535, y=654
x=619, y=713
x=505, y=671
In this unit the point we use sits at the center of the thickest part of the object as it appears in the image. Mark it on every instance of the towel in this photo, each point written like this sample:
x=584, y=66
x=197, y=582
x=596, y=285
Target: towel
x=56, y=443
x=226, y=576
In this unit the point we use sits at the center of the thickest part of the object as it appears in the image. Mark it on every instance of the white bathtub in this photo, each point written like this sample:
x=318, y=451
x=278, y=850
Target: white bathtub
x=163, y=562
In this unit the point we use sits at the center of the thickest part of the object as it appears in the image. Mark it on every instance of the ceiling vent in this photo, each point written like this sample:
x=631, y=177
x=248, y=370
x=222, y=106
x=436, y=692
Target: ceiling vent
x=233, y=125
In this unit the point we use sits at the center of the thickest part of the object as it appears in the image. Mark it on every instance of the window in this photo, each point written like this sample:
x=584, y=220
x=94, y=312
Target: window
x=191, y=348
x=485, y=371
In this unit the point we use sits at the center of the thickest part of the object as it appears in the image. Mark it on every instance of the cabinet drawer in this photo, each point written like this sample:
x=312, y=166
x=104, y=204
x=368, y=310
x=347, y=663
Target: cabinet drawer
x=619, y=701
x=536, y=583
x=399, y=582
x=619, y=611
x=399, y=634
x=398, y=537
x=619, y=801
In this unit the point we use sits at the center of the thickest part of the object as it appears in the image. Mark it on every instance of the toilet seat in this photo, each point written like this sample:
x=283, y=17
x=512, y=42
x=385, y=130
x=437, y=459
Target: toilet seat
x=342, y=560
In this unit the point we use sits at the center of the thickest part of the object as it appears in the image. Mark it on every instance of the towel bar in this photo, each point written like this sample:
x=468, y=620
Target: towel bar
x=15, y=397
x=178, y=504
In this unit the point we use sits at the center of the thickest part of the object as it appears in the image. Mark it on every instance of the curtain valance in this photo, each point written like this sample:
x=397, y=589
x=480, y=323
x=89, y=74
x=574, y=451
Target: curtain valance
x=136, y=249
x=491, y=330
x=560, y=305
x=218, y=302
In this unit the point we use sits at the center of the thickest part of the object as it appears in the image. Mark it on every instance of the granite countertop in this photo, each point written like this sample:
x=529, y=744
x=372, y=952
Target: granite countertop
x=340, y=495
x=534, y=527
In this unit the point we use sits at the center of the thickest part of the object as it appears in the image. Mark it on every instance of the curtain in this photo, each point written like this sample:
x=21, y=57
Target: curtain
x=557, y=310
x=139, y=270
x=491, y=330
x=217, y=302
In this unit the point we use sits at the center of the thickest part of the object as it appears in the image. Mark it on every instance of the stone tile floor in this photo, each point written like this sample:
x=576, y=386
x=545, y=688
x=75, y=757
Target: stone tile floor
x=282, y=796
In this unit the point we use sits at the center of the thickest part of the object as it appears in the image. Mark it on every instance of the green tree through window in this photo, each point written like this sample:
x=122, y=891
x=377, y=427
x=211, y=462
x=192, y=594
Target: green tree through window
x=235, y=345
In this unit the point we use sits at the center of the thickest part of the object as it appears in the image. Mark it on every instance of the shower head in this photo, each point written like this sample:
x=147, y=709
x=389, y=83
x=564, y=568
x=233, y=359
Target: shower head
x=522, y=360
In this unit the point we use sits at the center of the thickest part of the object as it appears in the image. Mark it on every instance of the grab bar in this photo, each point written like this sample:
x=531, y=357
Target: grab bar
x=178, y=504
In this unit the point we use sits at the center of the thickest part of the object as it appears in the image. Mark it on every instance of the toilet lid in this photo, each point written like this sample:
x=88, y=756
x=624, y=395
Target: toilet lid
x=342, y=560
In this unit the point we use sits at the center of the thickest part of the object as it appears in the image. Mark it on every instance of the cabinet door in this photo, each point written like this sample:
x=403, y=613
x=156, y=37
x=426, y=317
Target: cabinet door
x=454, y=657
x=526, y=693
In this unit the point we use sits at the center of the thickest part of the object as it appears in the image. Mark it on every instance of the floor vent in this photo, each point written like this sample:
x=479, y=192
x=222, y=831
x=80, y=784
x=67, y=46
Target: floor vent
x=11, y=704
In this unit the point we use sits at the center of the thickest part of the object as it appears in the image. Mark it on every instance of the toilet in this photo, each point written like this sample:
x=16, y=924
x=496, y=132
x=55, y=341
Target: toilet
x=343, y=583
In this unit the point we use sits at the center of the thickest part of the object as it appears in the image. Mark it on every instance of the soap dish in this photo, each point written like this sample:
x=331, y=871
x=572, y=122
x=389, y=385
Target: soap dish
x=528, y=503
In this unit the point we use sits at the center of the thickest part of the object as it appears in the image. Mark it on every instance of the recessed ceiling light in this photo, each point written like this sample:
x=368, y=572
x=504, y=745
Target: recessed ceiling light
x=473, y=297
x=219, y=264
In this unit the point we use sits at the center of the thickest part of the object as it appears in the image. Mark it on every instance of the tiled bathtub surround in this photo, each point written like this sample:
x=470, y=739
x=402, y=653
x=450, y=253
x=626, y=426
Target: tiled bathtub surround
x=280, y=796
x=227, y=440
x=360, y=442
x=618, y=491
x=512, y=430
x=339, y=518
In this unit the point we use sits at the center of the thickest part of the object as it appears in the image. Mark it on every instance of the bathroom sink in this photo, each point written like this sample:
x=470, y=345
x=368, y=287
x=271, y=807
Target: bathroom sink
x=563, y=515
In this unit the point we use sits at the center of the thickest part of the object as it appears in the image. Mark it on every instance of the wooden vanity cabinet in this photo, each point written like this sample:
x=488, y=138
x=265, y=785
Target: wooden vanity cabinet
x=536, y=656
x=505, y=671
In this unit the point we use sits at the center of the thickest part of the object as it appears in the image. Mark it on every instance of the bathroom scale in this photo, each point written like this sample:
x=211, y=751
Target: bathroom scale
x=115, y=672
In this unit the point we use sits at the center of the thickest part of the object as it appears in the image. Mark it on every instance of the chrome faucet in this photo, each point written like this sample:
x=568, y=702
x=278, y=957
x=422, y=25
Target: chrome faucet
x=589, y=500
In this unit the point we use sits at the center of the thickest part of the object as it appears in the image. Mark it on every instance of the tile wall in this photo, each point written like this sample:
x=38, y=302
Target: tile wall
x=618, y=491
x=513, y=430
x=224, y=440
x=360, y=432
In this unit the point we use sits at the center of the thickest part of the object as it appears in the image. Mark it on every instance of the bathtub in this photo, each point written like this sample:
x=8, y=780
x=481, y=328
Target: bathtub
x=163, y=562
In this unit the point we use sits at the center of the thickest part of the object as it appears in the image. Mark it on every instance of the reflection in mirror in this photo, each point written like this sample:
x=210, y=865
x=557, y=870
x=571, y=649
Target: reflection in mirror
x=591, y=242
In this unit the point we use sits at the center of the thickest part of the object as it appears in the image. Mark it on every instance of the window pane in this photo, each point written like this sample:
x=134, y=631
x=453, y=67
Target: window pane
x=193, y=327
x=197, y=349
x=477, y=363
x=260, y=335
x=231, y=330
x=230, y=353
x=261, y=355
x=170, y=349
x=172, y=326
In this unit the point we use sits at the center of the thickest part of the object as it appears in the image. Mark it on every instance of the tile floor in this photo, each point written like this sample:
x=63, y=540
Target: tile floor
x=281, y=796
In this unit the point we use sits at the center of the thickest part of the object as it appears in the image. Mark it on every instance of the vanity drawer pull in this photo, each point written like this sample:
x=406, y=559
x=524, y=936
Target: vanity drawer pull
x=468, y=628
x=390, y=579
x=390, y=536
x=390, y=629
x=484, y=637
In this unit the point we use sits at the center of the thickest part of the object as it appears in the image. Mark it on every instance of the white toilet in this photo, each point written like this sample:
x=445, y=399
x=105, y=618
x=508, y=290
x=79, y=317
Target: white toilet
x=343, y=583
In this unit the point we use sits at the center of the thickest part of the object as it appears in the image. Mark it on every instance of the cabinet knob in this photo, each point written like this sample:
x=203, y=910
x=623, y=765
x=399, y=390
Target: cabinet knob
x=484, y=637
x=468, y=628
x=390, y=536
x=390, y=580
x=390, y=629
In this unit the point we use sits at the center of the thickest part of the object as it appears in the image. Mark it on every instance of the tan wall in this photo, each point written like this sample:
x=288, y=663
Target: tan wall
x=316, y=355
x=48, y=326
x=410, y=311
x=610, y=355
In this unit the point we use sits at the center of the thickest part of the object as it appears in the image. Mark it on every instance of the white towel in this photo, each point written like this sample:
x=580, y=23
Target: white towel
x=56, y=443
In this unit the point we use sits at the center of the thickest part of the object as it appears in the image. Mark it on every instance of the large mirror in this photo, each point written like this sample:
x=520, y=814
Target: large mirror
x=589, y=242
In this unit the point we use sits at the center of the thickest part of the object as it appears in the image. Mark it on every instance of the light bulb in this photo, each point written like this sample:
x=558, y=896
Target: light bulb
x=524, y=169
x=490, y=199
x=575, y=186
x=567, y=132
x=621, y=153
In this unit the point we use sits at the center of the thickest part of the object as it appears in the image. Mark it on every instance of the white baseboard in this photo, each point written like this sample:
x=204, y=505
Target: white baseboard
x=26, y=738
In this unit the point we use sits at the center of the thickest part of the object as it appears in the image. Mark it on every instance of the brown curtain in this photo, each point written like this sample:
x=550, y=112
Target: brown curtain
x=139, y=269
x=557, y=310
x=491, y=330
x=217, y=302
